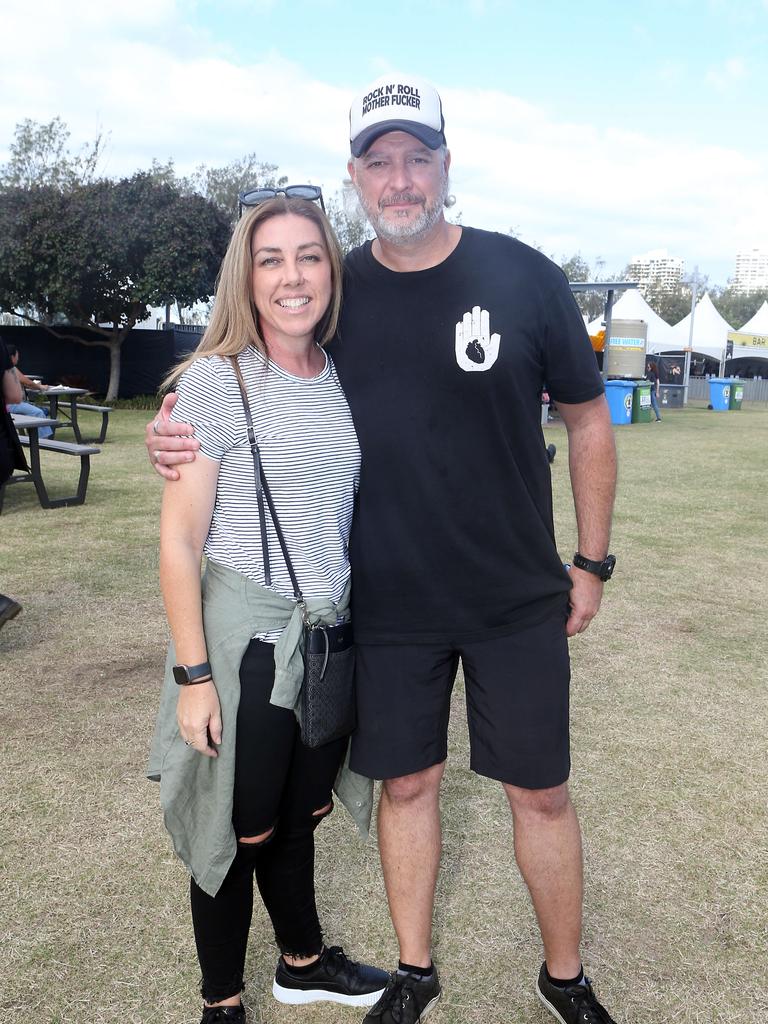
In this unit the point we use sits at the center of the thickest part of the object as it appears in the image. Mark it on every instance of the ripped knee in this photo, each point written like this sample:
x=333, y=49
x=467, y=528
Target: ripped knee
x=317, y=816
x=259, y=840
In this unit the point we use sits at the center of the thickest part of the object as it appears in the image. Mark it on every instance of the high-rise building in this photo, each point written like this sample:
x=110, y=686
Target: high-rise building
x=656, y=270
x=751, y=269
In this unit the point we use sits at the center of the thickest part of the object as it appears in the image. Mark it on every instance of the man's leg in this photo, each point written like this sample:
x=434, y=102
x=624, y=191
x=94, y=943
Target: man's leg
x=548, y=853
x=409, y=843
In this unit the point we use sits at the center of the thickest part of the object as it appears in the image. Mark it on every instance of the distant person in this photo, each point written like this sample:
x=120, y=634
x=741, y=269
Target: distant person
x=11, y=455
x=22, y=408
x=652, y=376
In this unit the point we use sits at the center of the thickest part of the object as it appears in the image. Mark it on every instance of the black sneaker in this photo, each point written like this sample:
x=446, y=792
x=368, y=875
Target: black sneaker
x=223, y=1015
x=9, y=609
x=334, y=978
x=407, y=999
x=576, y=1004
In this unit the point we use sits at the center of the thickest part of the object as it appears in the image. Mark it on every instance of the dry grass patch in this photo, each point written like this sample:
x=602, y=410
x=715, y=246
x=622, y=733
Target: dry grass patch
x=668, y=709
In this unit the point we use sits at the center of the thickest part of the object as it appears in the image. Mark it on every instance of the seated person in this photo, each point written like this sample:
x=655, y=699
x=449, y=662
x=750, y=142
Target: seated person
x=27, y=408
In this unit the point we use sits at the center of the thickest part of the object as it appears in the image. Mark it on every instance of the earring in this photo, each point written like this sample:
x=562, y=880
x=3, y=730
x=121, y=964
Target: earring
x=450, y=201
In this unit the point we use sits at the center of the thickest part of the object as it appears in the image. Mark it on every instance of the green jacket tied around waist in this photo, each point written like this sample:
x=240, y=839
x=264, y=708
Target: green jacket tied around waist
x=196, y=791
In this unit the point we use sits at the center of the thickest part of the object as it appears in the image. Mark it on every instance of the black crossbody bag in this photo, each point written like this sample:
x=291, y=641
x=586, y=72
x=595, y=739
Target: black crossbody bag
x=327, y=699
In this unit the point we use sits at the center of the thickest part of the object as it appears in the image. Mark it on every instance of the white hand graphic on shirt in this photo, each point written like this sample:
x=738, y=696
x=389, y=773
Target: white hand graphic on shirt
x=476, y=347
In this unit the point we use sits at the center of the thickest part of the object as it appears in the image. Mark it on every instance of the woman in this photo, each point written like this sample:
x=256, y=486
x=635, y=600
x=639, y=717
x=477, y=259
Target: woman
x=241, y=794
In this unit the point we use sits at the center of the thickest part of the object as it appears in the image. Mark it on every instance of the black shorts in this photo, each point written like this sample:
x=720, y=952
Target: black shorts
x=517, y=706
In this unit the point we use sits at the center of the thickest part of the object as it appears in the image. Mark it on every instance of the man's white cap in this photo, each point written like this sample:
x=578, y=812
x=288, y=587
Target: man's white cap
x=396, y=103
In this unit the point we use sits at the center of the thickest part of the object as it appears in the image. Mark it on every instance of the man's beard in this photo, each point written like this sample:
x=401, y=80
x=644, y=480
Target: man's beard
x=405, y=229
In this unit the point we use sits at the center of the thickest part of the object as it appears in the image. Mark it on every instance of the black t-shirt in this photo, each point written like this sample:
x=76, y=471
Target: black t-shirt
x=453, y=536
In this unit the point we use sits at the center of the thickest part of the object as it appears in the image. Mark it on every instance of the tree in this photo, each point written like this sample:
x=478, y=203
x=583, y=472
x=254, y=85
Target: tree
x=223, y=185
x=738, y=307
x=100, y=254
x=576, y=268
x=40, y=156
x=347, y=219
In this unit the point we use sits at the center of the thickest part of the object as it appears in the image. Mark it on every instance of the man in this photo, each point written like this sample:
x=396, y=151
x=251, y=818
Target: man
x=21, y=407
x=446, y=339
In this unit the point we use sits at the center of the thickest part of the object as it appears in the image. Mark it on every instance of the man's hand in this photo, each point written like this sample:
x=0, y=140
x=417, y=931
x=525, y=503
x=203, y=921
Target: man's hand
x=199, y=717
x=169, y=444
x=585, y=600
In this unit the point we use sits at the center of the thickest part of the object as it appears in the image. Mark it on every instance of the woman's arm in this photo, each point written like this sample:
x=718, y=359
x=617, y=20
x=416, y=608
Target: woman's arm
x=12, y=390
x=184, y=523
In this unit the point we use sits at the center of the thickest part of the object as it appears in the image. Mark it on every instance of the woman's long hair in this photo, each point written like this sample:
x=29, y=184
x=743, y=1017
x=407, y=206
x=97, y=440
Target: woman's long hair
x=234, y=323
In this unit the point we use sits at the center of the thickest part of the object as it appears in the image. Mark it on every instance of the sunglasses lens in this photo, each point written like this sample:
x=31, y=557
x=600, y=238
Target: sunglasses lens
x=303, y=191
x=255, y=196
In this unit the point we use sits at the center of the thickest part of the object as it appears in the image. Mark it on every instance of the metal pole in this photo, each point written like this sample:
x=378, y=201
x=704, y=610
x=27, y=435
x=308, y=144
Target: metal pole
x=608, y=320
x=687, y=370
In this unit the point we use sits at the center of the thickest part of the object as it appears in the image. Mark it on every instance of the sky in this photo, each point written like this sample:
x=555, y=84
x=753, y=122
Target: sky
x=597, y=128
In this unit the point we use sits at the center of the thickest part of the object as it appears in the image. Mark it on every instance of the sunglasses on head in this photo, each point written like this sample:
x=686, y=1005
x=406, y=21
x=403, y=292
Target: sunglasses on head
x=254, y=196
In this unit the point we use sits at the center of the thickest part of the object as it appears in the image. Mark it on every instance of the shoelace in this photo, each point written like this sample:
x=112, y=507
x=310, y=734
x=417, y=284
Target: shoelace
x=338, y=962
x=218, y=1015
x=395, y=997
x=585, y=1001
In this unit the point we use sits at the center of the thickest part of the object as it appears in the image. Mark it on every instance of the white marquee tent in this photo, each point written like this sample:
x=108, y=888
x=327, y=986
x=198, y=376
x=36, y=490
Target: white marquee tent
x=632, y=306
x=759, y=322
x=710, y=330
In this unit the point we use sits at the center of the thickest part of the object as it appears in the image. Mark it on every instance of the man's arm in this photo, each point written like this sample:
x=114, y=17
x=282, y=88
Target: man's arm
x=169, y=444
x=592, y=464
x=27, y=382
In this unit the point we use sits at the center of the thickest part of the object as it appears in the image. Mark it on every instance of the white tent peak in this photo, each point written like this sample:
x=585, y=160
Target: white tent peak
x=632, y=306
x=710, y=329
x=759, y=322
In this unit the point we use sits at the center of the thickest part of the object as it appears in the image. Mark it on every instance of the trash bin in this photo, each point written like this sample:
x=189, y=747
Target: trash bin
x=619, y=395
x=671, y=396
x=720, y=393
x=737, y=395
x=641, y=402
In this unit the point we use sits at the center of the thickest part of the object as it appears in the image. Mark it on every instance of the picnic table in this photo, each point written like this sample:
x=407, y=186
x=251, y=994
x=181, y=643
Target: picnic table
x=64, y=401
x=31, y=440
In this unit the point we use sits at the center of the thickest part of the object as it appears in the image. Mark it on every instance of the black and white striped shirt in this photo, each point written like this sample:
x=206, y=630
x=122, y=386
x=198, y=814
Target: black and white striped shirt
x=311, y=460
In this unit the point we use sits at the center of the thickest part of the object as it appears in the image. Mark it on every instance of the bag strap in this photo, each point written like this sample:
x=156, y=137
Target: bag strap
x=262, y=493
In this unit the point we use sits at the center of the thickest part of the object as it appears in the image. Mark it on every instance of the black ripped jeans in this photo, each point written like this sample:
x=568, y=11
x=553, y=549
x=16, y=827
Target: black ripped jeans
x=279, y=784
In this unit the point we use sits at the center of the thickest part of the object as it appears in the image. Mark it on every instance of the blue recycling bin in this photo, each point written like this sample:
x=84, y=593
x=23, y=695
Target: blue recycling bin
x=720, y=393
x=619, y=394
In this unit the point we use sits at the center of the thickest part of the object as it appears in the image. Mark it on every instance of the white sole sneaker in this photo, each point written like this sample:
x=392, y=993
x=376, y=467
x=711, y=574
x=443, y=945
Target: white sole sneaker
x=300, y=997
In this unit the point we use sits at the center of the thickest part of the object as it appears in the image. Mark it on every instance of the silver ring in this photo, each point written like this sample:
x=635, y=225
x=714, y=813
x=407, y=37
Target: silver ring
x=187, y=743
x=157, y=457
x=155, y=425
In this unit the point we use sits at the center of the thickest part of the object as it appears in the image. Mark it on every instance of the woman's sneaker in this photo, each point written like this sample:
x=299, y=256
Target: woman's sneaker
x=333, y=978
x=576, y=1004
x=407, y=999
x=223, y=1015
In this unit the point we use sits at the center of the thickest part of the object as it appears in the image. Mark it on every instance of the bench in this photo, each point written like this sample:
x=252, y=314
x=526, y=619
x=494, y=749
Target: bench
x=105, y=410
x=35, y=445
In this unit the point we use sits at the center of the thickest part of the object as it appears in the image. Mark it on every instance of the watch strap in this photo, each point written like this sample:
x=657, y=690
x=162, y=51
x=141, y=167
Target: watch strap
x=602, y=568
x=188, y=675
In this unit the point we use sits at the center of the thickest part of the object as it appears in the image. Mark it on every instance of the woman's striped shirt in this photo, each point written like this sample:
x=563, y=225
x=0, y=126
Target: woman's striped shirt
x=311, y=460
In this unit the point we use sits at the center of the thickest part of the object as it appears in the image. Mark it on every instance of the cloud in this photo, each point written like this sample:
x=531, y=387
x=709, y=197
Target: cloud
x=162, y=90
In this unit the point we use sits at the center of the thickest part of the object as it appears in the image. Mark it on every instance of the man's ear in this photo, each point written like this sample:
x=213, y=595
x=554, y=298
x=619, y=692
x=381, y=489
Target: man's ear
x=351, y=168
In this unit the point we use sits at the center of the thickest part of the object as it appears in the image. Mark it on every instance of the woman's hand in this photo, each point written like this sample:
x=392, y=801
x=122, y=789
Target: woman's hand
x=199, y=716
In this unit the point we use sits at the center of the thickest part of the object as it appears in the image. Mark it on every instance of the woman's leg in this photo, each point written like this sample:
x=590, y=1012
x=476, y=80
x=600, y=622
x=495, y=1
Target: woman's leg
x=285, y=869
x=263, y=753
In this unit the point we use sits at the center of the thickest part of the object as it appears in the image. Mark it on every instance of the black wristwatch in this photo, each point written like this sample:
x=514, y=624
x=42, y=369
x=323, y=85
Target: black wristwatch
x=603, y=569
x=188, y=675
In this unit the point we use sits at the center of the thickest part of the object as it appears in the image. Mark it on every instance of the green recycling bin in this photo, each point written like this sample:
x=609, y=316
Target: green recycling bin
x=737, y=395
x=641, y=402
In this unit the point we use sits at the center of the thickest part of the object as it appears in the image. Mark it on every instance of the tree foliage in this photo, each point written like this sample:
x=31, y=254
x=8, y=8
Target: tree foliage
x=40, y=156
x=576, y=268
x=223, y=185
x=738, y=307
x=100, y=254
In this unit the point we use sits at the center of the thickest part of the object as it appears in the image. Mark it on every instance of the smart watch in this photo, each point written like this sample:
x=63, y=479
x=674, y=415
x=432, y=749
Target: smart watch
x=603, y=569
x=189, y=675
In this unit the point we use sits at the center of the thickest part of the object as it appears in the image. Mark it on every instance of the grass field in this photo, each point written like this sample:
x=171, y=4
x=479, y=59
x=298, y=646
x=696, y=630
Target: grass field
x=669, y=736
